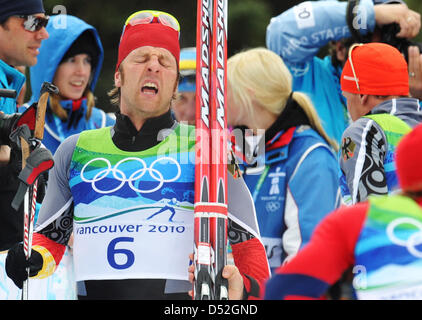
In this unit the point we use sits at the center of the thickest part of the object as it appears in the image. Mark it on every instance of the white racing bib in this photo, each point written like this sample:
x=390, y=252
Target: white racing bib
x=133, y=211
x=135, y=243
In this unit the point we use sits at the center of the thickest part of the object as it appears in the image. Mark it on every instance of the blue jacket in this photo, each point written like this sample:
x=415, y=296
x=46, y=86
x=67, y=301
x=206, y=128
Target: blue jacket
x=297, y=35
x=297, y=188
x=51, y=53
x=10, y=78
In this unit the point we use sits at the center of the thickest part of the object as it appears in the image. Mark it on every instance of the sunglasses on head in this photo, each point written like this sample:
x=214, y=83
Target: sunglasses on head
x=355, y=78
x=148, y=16
x=33, y=23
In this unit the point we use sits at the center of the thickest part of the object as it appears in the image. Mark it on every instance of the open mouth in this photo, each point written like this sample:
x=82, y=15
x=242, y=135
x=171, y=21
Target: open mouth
x=150, y=88
x=35, y=49
x=77, y=83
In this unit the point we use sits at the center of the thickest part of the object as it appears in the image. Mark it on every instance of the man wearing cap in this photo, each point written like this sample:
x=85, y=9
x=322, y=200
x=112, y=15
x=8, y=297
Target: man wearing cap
x=110, y=186
x=22, y=29
x=379, y=239
x=184, y=106
x=375, y=84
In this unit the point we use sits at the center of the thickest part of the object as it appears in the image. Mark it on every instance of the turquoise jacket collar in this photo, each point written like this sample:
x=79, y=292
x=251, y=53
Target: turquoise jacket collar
x=10, y=78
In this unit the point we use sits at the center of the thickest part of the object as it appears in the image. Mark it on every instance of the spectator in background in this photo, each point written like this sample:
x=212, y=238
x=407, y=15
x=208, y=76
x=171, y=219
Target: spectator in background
x=297, y=184
x=184, y=106
x=298, y=34
x=71, y=59
x=22, y=29
x=415, y=72
x=375, y=83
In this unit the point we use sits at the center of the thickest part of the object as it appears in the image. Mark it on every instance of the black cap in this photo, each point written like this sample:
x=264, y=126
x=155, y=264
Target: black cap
x=10, y=8
x=85, y=43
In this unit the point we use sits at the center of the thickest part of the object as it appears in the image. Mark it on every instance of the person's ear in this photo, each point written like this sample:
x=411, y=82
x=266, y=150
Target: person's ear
x=117, y=79
x=364, y=99
x=367, y=102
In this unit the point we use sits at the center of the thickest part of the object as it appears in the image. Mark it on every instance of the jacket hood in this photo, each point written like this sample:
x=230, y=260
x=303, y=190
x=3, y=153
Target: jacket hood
x=407, y=109
x=63, y=31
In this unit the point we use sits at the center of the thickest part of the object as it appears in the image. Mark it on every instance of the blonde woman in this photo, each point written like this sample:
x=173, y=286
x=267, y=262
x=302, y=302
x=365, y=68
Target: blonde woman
x=295, y=184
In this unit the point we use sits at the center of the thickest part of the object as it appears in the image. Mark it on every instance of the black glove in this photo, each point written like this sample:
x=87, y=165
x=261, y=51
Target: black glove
x=15, y=162
x=16, y=264
x=7, y=125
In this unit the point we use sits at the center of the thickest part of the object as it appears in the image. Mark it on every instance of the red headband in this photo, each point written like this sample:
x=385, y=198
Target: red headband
x=380, y=69
x=152, y=34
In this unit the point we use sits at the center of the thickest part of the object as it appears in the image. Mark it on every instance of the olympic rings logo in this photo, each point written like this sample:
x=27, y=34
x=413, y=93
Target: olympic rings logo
x=120, y=175
x=414, y=240
x=272, y=206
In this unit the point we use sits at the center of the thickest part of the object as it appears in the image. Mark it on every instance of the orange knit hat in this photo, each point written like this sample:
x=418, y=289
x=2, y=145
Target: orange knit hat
x=408, y=160
x=375, y=69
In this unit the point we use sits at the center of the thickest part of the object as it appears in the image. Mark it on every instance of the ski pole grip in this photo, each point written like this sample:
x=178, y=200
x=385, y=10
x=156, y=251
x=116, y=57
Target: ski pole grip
x=46, y=89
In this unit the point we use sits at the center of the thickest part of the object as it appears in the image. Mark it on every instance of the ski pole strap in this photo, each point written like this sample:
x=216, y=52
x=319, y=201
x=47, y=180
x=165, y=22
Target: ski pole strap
x=39, y=161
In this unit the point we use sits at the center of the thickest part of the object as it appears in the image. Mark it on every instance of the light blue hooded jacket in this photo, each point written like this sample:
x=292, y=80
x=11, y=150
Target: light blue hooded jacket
x=63, y=31
x=298, y=34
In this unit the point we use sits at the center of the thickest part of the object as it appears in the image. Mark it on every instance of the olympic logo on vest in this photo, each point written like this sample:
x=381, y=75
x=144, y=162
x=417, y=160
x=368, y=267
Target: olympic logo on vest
x=414, y=240
x=120, y=175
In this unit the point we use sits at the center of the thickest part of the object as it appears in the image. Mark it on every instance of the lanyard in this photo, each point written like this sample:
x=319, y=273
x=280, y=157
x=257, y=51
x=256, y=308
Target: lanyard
x=260, y=182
